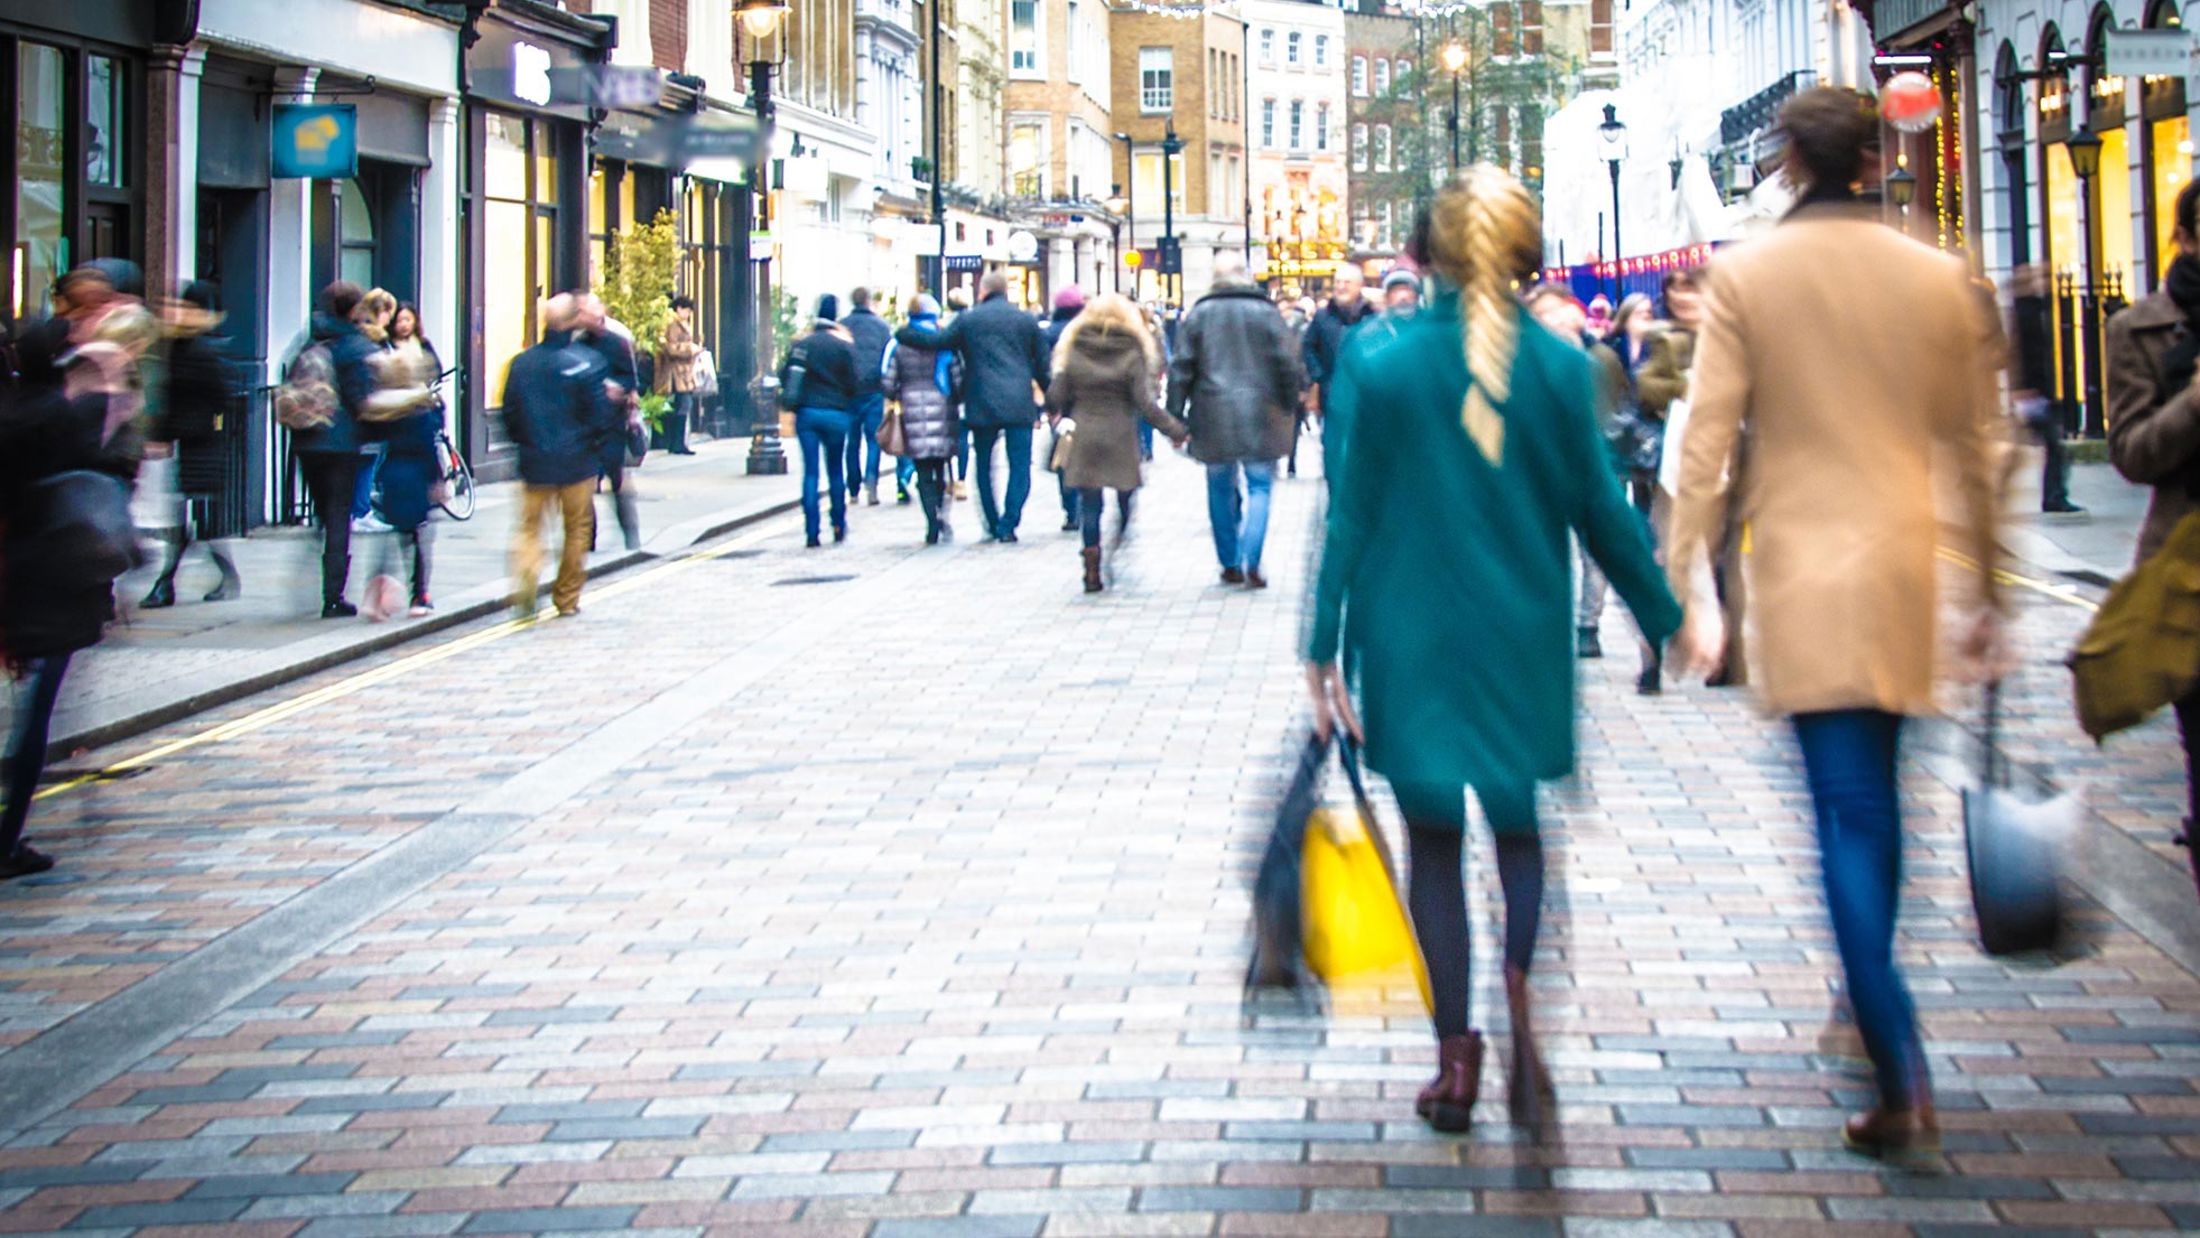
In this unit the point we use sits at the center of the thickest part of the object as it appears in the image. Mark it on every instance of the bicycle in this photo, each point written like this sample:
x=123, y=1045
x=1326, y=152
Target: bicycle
x=455, y=493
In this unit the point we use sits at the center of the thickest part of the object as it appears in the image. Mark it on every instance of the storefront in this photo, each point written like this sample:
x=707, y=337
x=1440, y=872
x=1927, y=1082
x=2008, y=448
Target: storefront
x=72, y=91
x=2165, y=136
x=527, y=198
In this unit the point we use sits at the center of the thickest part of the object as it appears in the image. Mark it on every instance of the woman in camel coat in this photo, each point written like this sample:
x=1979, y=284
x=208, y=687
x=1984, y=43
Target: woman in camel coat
x=1107, y=378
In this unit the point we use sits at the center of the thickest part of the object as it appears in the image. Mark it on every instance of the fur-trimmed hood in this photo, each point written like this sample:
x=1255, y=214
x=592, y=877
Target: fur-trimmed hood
x=1108, y=327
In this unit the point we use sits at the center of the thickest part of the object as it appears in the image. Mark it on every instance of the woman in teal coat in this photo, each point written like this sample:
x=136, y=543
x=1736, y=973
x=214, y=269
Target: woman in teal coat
x=1470, y=454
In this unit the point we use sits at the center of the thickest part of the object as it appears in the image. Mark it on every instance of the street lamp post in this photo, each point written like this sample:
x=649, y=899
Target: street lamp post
x=1172, y=256
x=1455, y=59
x=1119, y=205
x=761, y=18
x=2085, y=160
x=1612, y=135
x=1130, y=190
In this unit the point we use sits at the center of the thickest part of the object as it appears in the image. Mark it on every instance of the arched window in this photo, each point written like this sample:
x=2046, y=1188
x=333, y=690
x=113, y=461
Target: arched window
x=1321, y=51
x=1359, y=148
x=1321, y=126
x=1382, y=148
x=1382, y=78
x=1359, y=77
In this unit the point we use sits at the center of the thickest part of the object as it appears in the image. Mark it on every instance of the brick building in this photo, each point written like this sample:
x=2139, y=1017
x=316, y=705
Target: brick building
x=1386, y=128
x=1057, y=104
x=1186, y=75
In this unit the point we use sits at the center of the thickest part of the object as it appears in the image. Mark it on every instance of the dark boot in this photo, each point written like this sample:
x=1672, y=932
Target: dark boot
x=1092, y=570
x=232, y=585
x=1447, y=1103
x=1898, y=1136
x=1528, y=1091
x=1587, y=644
x=163, y=592
x=1652, y=680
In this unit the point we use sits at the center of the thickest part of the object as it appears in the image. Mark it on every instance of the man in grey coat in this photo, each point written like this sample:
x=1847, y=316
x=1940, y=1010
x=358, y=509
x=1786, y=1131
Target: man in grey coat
x=1235, y=379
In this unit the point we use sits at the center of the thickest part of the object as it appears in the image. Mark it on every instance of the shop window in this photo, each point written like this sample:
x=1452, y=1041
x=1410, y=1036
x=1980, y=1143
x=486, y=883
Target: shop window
x=2172, y=168
x=518, y=238
x=105, y=117
x=40, y=108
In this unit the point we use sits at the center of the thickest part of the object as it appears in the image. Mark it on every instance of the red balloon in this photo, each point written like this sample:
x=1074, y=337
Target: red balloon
x=1910, y=101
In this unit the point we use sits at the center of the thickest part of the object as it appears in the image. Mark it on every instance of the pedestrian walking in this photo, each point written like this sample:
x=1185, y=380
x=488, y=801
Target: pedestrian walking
x=1068, y=304
x=1469, y=417
x=1235, y=382
x=2154, y=423
x=329, y=455
x=926, y=385
x=1661, y=382
x=2033, y=381
x=1631, y=330
x=61, y=418
x=819, y=377
x=1345, y=309
x=608, y=339
x=557, y=414
x=200, y=386
x=1167, y=340
x=1559, y=312
x=869, y=334
x=404, y=415
x=676, y=353
x=1004, y=360
x=1843, y=422
x=376, y=308
x=1107, y=379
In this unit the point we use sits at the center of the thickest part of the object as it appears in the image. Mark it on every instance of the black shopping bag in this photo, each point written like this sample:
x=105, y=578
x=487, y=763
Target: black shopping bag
x=1278, y=936
x=2016, y=842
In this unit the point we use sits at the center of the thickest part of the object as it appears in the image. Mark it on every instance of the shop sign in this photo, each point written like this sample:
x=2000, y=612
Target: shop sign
x=531, y=74
x=316, y=140
x=1022, y=246
x=606, y=86
x=2149, y=53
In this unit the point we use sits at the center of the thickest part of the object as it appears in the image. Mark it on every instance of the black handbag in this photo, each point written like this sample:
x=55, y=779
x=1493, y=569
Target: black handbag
x=1278, y=935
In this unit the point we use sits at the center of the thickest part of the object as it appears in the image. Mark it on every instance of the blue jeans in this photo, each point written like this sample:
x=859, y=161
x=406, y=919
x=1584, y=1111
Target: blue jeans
x=823, y=430
x=1003, y=518
x=869, y=414
x=362, y=487
x=26, y=752
x=1240, y=516
x=1850, y=757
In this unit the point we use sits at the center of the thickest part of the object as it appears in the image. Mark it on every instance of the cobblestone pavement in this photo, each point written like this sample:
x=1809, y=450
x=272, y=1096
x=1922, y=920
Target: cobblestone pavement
x=896, y=892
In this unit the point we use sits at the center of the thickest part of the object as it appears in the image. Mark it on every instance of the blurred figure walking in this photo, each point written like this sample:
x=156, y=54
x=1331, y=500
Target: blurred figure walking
x=1107, y=375
x=926, y=384
x=1235, y=381
x=820, y=368
x=1562, y=314
x=1068, y=304
x=599, y=333
x=870, y=334
x=1323, y=343
x=557, y=414
x=1469, y=417
x=405, y=417
x=2033, y=383
x=200, y=388
x=1842, y=423
x=1004, y=360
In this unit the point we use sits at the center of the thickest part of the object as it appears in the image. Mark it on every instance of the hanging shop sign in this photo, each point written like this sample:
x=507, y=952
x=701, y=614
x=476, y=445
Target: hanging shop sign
x=2148, y=53
x=316, y=140
x=1022, y=246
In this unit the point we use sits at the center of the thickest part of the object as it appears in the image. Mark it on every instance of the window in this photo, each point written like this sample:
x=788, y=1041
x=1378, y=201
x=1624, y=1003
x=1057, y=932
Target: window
x=1026, y=155
x=1076, y=43
x=1382, y=78
x=1298, y=124
x=40, y=173
x=1600, y=27
x=355, y=232
x=519, y=224
x=1291, y=43
x=1156, y=75
x=1321, y=51
x=1268, y=123
x=1531, y=27
x=1359, y=148
x=1321, y=127
x=105, y=92
x=1023, y=36
x=1382, y=226
x=1268, y=47
x=1146, y=182
x=1502, y=29
x=1359, y=77
x=1382, y=148
x=1401, y=72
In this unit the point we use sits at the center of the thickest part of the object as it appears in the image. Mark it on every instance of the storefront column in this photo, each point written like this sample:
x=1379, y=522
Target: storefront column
x=439, y=239
x=289, y=240
x=1061, y=264
x=172, y=167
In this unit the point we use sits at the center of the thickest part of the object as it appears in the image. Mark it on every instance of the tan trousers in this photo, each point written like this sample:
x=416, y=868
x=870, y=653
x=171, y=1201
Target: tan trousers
x=576, y=506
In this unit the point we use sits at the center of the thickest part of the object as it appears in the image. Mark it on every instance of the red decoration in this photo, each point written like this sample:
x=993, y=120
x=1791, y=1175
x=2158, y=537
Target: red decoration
x=1910, y=101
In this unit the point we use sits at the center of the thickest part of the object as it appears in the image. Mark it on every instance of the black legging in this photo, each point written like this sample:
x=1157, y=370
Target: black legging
x=330, y=478
x=1436, y=819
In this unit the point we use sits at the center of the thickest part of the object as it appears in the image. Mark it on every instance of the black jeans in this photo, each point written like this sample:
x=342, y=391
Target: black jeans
x=1090, y=502
x=932, y=494
x=330, y=477
x=26, y=753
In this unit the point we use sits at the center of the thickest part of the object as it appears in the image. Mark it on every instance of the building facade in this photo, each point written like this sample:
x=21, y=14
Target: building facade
x=1186, y=77
x=1058, y=106
x=1296, y=118
x=1387, y=130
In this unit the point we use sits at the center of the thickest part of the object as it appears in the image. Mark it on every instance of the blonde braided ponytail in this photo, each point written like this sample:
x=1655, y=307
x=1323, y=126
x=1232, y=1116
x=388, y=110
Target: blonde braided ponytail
x=1485, y=235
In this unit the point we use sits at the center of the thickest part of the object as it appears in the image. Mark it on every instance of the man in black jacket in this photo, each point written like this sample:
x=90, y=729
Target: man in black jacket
x=1068, y=304
x=1325, y=333
x=1004, y=360
x=557, y=412
x=2034, y=383
x=870, y=334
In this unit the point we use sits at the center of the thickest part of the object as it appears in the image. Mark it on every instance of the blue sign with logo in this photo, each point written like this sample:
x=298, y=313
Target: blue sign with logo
x=316, y=140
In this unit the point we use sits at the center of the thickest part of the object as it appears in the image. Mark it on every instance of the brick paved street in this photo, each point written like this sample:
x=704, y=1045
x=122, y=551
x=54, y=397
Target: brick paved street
x=899, y=892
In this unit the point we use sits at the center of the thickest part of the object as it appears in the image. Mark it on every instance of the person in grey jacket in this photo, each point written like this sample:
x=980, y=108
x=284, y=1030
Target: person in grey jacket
x=1005, y=366
x=1235, y=379
x=923, y=382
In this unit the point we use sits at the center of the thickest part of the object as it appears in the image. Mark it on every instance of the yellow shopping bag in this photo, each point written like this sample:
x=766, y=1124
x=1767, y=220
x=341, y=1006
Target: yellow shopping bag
x=1357, y=937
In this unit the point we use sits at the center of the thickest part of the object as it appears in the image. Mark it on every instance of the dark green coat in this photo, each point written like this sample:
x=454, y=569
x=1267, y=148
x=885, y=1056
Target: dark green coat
x=1449, y=581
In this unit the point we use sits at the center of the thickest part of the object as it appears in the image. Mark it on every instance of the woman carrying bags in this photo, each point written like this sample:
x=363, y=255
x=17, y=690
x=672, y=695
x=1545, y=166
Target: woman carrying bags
x=1447, y=582
x=926, y=385
x=1106, y=383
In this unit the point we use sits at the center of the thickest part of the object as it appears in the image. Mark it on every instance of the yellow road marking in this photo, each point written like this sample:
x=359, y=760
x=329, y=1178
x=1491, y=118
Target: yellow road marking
x=2066, y=594
x=351, y=685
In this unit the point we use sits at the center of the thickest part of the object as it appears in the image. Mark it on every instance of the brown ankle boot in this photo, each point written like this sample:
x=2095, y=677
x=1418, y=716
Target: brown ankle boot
x=1447, y=1103
x=1528, y=1091
x=1092, y=570
x=1897, y=1136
